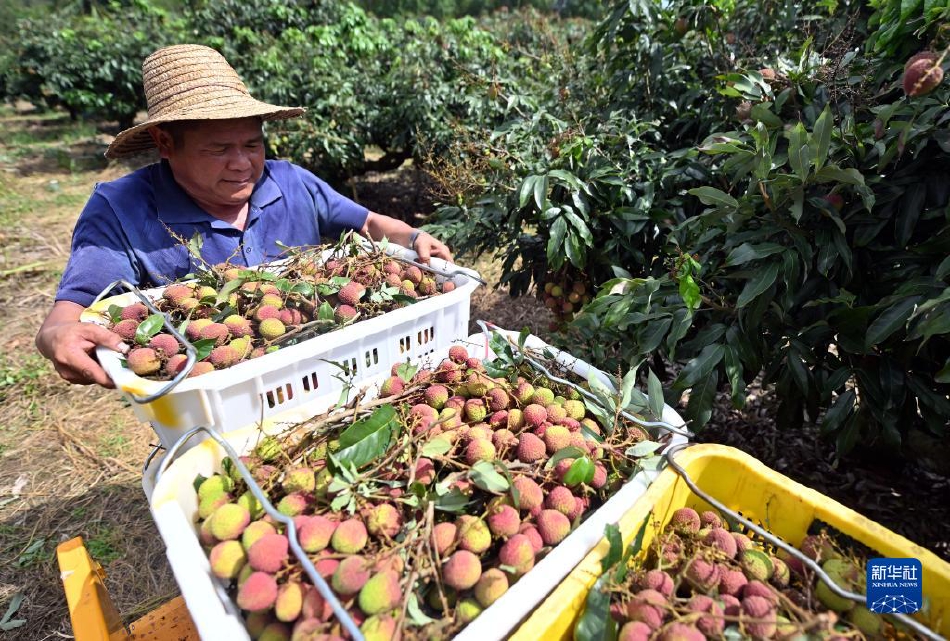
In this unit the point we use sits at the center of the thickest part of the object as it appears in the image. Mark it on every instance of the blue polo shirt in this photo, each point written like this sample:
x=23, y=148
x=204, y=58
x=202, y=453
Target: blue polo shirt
x=131, y=227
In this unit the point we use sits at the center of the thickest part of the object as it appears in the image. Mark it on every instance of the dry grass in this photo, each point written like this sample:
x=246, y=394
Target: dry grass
x=70, y=457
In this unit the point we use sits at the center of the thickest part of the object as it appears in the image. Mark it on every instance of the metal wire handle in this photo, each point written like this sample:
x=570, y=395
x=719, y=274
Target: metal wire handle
x=318, y=581
x=190, y=351
x=779, y=543
x=663, y=425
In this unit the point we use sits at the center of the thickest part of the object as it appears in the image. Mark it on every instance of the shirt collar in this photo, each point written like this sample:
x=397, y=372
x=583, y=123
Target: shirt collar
x=175, y=206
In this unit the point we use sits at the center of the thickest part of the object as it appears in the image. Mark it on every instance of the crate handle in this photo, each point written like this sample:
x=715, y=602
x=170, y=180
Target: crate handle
x=663, y=425
x=318, y=581
x=192, y=355
x=774, y=540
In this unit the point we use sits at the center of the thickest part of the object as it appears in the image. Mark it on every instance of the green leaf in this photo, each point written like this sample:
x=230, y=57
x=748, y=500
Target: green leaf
x=643, y=448
x=325, y=312
x=366, y=440
x=580, y=471
x=746, y=252
x=699, y=367
x=203, y=348
x=452, y=501
x=821, y=138
x=761, y=281
x=689, y=292
x=485, y=476
x=763, y=114
x=527, y=188
x=115, y=313
x=415, y=613
x=596, y=624
x=833, y=173
x=891, y=320
x=701, y=398
x=713, y=196
x=838, y=412
x=435, y=447
x=8, y=623
x=615, y=552
x=655, y=394
x=555, y=249
x=734, y=374
x=541, y=192
x=148, y=328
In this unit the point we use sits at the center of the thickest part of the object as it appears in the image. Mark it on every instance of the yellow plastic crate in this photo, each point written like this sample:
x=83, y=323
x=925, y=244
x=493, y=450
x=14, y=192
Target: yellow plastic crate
x=744, y=484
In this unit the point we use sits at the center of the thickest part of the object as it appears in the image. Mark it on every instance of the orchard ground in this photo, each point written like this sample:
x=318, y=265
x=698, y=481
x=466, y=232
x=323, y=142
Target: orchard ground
x=70, y=457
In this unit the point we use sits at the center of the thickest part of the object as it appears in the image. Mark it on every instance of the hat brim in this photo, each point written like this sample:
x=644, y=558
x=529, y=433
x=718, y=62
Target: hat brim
x=138, y=139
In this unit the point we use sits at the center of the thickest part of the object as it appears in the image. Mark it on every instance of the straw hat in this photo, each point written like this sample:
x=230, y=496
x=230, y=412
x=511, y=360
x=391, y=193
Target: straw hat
x=191, y=82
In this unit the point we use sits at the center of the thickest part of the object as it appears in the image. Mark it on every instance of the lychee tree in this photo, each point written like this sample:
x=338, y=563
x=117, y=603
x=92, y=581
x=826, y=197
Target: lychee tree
x=747, y=204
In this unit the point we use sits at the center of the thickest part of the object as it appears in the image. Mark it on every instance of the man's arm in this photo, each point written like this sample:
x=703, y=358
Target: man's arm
x=377, y=226
x=69, y=344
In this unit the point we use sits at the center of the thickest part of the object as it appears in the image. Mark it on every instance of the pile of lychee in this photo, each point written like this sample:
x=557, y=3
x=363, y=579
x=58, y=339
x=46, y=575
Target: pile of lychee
x=700, y=579
x=480, y=477
x=232, y=314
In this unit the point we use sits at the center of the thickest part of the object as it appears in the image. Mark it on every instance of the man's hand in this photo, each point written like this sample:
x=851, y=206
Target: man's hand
x=69, y=343
x=379, y=226
x=427, y=246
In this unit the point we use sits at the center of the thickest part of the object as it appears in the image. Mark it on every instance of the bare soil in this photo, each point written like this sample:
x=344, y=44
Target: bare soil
x=70, y=457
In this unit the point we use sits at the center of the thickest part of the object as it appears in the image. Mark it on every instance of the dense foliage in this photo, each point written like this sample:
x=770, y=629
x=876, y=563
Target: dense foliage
x=753, y=193
x=746, y=188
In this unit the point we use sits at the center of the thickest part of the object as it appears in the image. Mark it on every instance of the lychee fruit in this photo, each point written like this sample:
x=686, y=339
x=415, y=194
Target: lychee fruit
x=229, y=521
x=732, y=582
x=702, y=575
x=351, y=293
x=462, y=570
x=517, y=553
x=384, y=520
x=436, y=396
x=475, y=410
x=681, y=632
x=711, y=625
x=254, y=531
x=344, y=314
x=227, y=558
x=656, y=580
x=685, y=521
x=457, y=353
x=762, y=624
x=922, y=74
x=755, y=564
x=217, y=332
x=271, y=328
x=289, y=601
x=530, y=448
x=535, y=415
x=503, y=520
x=529, y=493
x=647, y=606
x=556, y=437
x=443, y=536
x=391, y=386
x=479, y=449
x=144, y=361
x=490, y=586
x=351, y=575
x=530, y=531
x=553, y=526
x=380, y=593
x=634, y=631
x=561, y=499
x=258, y=592
x=238, y=326
x=473, y=534
x=223, y=356
x=710, y=519
x=349, y=536
x=269, y=553
x=524, y=392
x=722, y=540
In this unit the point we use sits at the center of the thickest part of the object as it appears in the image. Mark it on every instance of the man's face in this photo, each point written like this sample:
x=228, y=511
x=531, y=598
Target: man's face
x=216, y=162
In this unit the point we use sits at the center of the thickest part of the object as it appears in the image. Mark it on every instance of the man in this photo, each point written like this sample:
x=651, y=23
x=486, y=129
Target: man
x=212, y=181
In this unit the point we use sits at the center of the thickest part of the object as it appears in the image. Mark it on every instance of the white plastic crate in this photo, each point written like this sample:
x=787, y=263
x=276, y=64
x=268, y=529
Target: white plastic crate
x=304, y=375
x=174, y=508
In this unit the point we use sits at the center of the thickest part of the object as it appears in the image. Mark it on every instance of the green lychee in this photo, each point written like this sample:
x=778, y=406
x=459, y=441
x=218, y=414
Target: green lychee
x=229, y=521
x=227, y=558
x=271, y=328
x=490, y=586
x=473, y=534
x=380, y=593
x=349, y=537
